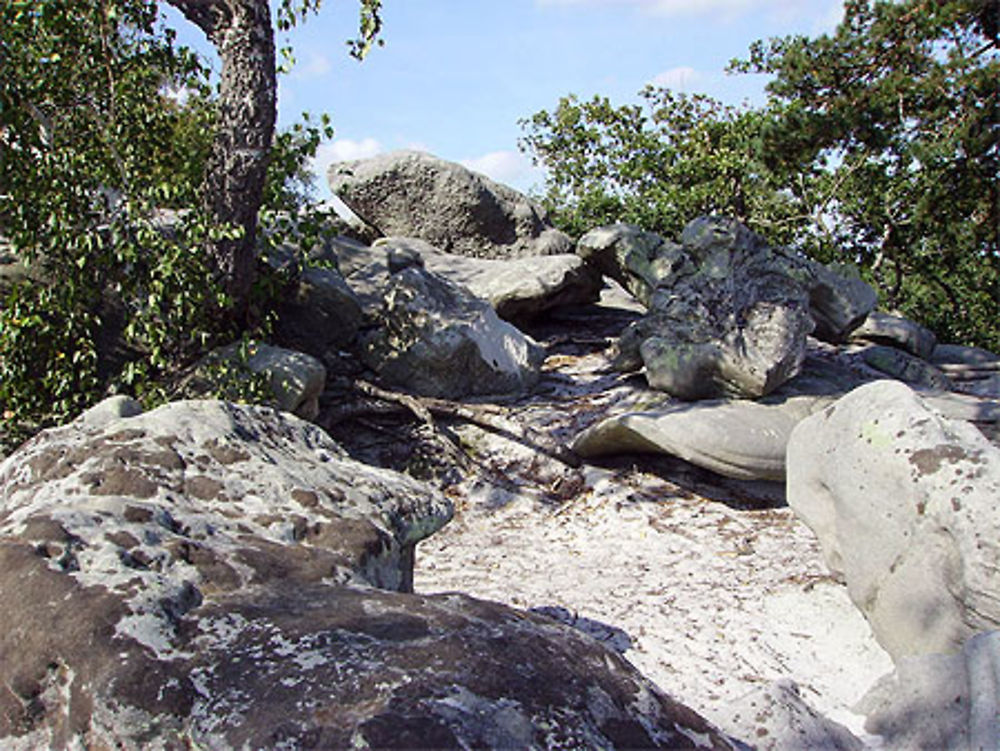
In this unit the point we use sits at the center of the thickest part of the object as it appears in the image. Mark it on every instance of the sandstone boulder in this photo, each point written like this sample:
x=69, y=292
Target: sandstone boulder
x=435, y=338
x=213, y=576
x=414, y=194
x=903, y=501
x=641, y=261
x=725, y=321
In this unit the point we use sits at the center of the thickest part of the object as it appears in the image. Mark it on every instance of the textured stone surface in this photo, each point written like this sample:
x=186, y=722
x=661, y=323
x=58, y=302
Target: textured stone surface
x=904, y=503
x=726, y=320
x=213, y=576
x=435, y=338
x=636, y=259
x=940, y=701
x=896, y=331
x=414, y=194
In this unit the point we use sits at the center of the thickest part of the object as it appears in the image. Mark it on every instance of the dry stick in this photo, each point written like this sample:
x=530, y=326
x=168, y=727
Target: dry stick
x=485, y=416
x=392, y=403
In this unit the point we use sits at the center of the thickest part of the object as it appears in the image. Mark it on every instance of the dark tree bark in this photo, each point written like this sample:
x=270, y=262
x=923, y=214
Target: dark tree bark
x=242, y=33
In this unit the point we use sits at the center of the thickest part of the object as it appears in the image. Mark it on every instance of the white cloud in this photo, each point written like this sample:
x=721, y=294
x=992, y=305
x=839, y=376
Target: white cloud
x=507, y=167
x=342, y=150
x=315, y=65
x=679, y=79
x=179, y=94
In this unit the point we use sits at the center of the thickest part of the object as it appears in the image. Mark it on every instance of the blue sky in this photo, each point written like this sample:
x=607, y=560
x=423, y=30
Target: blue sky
x=455, y=76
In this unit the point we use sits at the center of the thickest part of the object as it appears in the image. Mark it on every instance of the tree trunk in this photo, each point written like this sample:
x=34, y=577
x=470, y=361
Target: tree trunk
x=242, y=33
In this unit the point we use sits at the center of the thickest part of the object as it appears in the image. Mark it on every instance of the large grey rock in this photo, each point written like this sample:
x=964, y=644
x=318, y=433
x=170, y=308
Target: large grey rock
x=726, y=321
x=904, y=503
x=641, y=261
x=940, y=701
x=214, y=576
x=896, y=331
x=414, y=194
x=435, y=338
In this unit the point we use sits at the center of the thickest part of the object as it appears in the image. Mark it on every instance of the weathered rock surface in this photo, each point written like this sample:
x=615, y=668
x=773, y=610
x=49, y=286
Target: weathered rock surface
x=726, y=321
x=940, y=701
x=641, y=261
x=896, y=331
x=213, y=576
x=435, y=338
x=519, y=289
x=414, y=194
x=777, y=718
x=903, y=502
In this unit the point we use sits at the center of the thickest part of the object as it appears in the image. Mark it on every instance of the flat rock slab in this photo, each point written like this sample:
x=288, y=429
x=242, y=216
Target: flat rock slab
x=896, y=331
x=735, y=438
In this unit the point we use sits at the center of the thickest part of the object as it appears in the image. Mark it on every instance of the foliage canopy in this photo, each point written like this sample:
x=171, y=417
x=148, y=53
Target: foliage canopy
x=103, y=180
x=879, y=144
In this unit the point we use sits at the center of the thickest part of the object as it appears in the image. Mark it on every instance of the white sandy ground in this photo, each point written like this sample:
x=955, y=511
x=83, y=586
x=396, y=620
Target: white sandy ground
x=709, y=601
